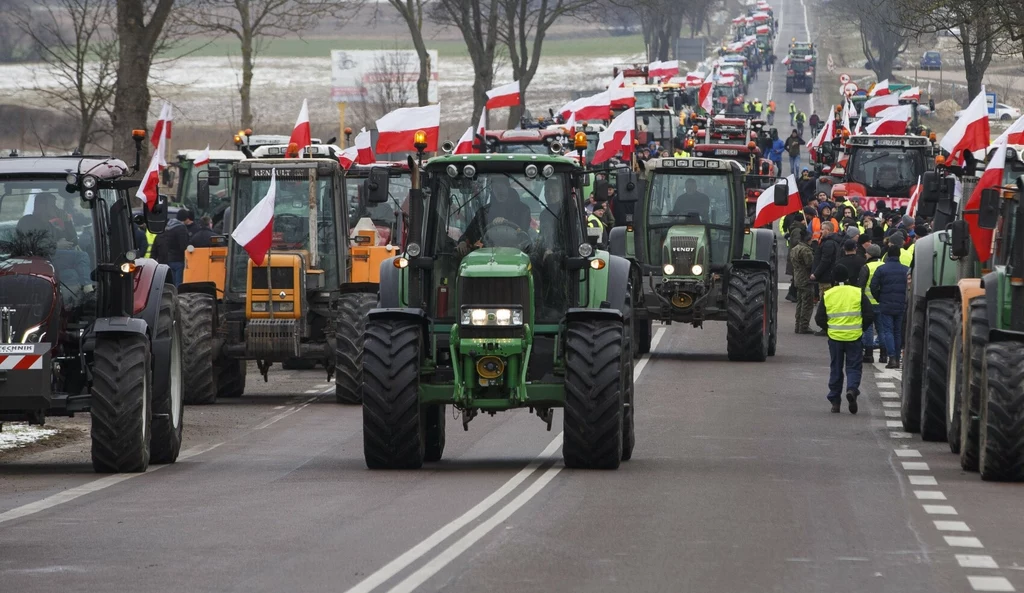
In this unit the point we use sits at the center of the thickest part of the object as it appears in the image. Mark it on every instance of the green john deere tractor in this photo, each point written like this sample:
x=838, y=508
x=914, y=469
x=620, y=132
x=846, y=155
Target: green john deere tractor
x=696, y=260
x=499, y=302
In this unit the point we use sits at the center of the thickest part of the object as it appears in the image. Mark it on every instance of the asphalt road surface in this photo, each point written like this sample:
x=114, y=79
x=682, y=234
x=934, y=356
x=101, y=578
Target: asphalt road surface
x=742, y=481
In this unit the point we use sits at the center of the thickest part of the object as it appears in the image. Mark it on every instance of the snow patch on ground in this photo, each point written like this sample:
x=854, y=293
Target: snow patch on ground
x=14, y=436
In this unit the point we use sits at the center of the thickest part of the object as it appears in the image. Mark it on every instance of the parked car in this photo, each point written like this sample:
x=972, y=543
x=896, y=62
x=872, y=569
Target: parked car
x=1003, y=113
x=931, y=60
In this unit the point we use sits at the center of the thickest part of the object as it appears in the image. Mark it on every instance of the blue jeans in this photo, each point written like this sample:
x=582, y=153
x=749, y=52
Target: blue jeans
x=848, y=356
x=869, y=334
x=177, y=271
x=890, y=329
x=794, y=165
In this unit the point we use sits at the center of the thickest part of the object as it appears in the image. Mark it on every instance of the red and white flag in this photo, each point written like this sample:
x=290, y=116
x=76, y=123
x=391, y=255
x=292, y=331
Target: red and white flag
x=827, y=133
x=163, y=124
x=256, y=231
x=859, y=128
x=570, y=125
x=663, y=69
x=149, y=189
x=203, y=158
x=704, y=94
x=397, y=129
x=610, y=141
x=628, y=145
x=1013, y=134
x=892, y=122
x=301, y=136
x=767, y=212
x=481, y=126
x=849, y=112
x=992, y=177
x=506, y=95
x=621, y=96
x=911, y=94
x=880, y=89
x=597, y=107
x=359, y=153
x=465, y=145
x=915, y=196
x=969, y=132
x=876, y=104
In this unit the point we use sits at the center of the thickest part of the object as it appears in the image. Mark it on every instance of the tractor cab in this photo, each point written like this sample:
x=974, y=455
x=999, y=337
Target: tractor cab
x=530, y=141
x=657, y=126
x=377, y=230
x=883, y=168
x=216, y=174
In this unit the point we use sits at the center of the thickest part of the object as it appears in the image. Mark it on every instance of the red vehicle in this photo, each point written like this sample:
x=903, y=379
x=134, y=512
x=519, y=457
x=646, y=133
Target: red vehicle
x=882, y=168
x=760, y=174
x=529, y=141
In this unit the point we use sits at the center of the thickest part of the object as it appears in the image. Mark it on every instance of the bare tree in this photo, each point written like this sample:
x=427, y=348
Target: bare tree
x=390, y=85
x=698, y=15
x=75, y=39
x=478, y=22
x=14, y=44
x=525, y=25
x=411, y=12
x=883, y=35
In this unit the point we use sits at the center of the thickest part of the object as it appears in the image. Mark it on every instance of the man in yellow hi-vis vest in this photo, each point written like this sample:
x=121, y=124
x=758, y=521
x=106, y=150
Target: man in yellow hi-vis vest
x=844, y=312
x=874, y=255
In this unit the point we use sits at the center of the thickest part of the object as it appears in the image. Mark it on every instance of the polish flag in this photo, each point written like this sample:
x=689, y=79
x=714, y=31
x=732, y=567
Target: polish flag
x=663, y=69
x=849, y=112
x=256, y=230
x=348, y=157
x=506, y=95
x=859, y=128
x=570, y=124
x=481, y=130
x=1014, y=134
x=767, y=212
x=992, y=177
x=598, y=107
x=827, y=133
x=622, y=97
x=397, y=129
x=628, y=145
x=359, y=153
x=203, y=158
x=911, y=94
x=893, y=122
x=149, y=189
x=301, y=136
x=610, y=141
x=162, y=124
x=914, y=197
x=704, y=94
x=465, y=145
x=875, y=104
x=969, y=132
x=880, y=89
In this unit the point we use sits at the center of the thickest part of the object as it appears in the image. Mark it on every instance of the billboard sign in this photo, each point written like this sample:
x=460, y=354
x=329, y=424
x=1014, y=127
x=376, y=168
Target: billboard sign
x=360, y=74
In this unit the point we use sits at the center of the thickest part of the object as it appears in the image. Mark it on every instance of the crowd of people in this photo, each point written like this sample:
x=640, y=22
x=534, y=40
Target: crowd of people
x=170, y=246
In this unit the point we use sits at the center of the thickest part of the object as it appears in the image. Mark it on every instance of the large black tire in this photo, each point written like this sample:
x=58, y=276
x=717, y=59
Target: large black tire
x=1002, y=413
x=644, y=329
x=592, y=422
x=348, y=352
x=773, y=292
x=230, y=377
x=748, y=315
x=628, y=411
x=169, y=398
x=393, y=434
x=913, y=345
x=121, y=405
x=938, y=338
x=954, y=381
x=970, y=410
x=433, y=431
x=197, y=360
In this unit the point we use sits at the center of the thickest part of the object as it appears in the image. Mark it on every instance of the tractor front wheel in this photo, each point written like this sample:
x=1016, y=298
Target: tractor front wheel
x=910, y=400
x=938, y=337
x=393, y=433
x=748, y=313
x=593, y=418
x=433, y=431
x=230, y=377
x=954, y=382
x=197, y=360
x=1002, y=414
x=169, y=398
x=121, y=404
x=348, y=352
x=970, y=404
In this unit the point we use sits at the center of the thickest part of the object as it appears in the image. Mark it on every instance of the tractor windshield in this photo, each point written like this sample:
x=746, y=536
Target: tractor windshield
x=648, y=99
x=1014, y=168
x=386, y=215
x=655, y=127
x=886, y=172
x=219, y=192
x=690, y=199
x=296, y=189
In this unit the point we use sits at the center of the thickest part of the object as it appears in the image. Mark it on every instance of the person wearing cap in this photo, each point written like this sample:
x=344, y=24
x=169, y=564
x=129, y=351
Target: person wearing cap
x=889, y=287
x=851, y=260
x=801, y=257
x=845, y=313
x=908, y=224
x=169, y=246
x=829, y=251
x=874, y=260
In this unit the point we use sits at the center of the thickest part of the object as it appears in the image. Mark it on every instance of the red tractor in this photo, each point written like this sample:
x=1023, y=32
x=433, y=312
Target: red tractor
x=760, y=172
x=85, y=324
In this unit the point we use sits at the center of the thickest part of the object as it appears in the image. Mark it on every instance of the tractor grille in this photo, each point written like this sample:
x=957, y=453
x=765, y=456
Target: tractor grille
x=280, y=277
x=494, y=292
x=684, y=253
x=31, y=298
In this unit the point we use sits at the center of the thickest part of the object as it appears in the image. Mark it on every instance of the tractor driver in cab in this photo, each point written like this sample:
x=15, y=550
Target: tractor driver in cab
x=72, y=265
x=692, y=201
x=504, y=208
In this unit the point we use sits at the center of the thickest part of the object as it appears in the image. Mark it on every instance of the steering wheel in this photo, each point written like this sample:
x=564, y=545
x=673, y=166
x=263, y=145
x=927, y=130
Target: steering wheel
x=290, y=227
x=693, y=215
x=505, y=233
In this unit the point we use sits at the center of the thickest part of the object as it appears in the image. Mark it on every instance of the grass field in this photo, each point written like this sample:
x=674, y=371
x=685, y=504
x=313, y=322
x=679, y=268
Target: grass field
x=321, y=46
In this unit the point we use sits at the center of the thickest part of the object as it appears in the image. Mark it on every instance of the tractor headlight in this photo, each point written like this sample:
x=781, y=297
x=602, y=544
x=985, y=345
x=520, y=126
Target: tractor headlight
x=697, y=270
x=505, y=316
x=284, y=307
x=89, y=182
x=413, y=250
x=33, y=335
x=669, y=269
x=259, y=307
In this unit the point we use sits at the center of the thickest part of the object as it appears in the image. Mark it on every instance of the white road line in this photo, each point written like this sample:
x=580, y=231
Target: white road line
x=94, y=486
x=907, y=453
x=807, y=32
x=929, y=495
x=891, y=404
x=888, y=394
x=391, y=569
x=939, y=509
x=900, y=435
x=923, y=481
x=288, y=412
x=775, y=50
x=975, y=561
x=951, y=526
x=915, y=466
x=962, y=541
x=990, y=584
x=885, y=386
x=313, y=390
x=893, y=423
x=892, y=413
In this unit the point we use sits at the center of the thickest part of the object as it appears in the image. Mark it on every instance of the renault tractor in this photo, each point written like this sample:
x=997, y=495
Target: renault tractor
x=86, y=325
x=498, y=302
x=697, y=259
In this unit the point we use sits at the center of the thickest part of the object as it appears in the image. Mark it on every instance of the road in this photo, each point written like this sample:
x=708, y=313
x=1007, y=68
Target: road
x=741, y=481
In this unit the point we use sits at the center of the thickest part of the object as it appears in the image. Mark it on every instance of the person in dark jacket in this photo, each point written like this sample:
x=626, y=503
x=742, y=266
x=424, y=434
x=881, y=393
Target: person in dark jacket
x=845, y=313
x=830, y=249
x=141, y=242
x=169, y=248
x=185, y=216
x=852, y=261
x=889, y=287
x=203, y=235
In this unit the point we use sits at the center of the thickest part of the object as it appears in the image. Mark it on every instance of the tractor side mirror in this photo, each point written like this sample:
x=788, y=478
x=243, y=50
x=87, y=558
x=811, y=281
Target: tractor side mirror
x=213, y=174
x=601, y=187
x=988, y=210
x=156, y=219
x=202, y=193
x=166, y=177
x=377, y=185
x=959, y=239
x=628, y=187
x=781, y=195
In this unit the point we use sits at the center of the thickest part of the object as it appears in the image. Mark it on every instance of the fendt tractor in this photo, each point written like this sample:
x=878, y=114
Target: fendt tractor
x=293, y=306
x=537, y=318
x=85, y=324
x=883, y=168
x=697, y=259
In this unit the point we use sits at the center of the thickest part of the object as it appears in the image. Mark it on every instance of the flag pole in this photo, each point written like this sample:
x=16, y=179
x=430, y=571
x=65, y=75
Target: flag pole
x=270, y=251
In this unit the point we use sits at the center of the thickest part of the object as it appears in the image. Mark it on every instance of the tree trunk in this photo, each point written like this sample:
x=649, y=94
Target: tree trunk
x=245, y=90
x=131, y=97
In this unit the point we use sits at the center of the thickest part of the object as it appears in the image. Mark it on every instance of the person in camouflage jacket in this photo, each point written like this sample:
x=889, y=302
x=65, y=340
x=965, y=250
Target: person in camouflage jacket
x=801, y=258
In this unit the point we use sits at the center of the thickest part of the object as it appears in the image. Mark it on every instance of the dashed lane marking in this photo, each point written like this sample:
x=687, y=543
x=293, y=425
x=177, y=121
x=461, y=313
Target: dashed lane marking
x=951, y=526
x=890, y=404
x=900, y=435
x=889, y=386
x=907, y=452
x=929, y=495
x=939, y=509
x=976, y=561
x=915, y=466
x=962, y=541
x=888, y=394
x=893, y=423
x=990, y=583
x=892, y=413
x=923, y=481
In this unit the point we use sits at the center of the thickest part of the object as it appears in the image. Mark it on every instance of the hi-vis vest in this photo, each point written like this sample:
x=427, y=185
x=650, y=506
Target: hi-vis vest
x=872, y=266
x=595, y=223
x=150, y=237
x=907, y=255
x=842, y=305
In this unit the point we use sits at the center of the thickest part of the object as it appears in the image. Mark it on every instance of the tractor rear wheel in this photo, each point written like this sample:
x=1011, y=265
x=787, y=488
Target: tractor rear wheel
x=121, y=405
x=970, y=404
x=393, y=433
x=197, y=360
x=230, y=377
x=910, y=400
x=938, y=337
x=1002, y=414
x=628, y=411
x=348, y=352
x=168, y=398
x=748, y=315
x=954, y=381
x=644, y=329
x=773, y=308
x=592, y=422
x=433, y=431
